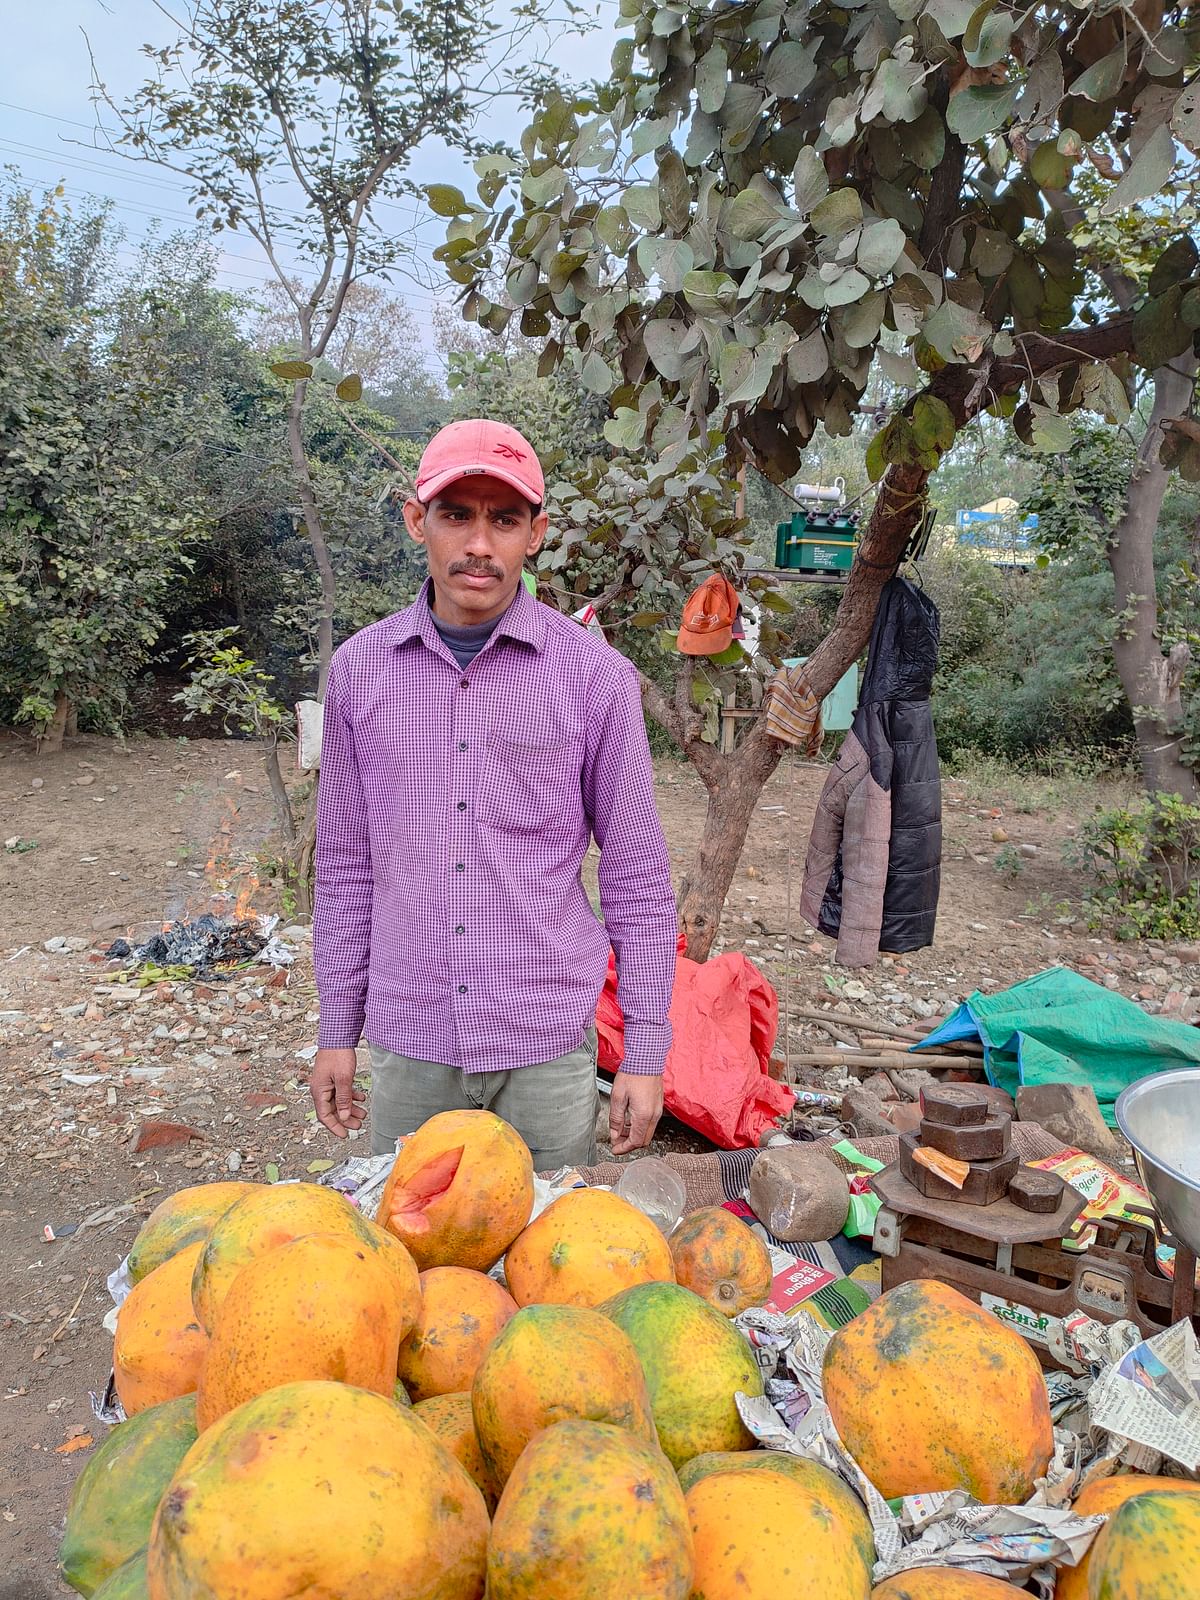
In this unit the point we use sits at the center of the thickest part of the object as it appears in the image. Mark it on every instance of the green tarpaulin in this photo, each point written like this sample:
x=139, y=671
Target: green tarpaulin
x=1061, y=1028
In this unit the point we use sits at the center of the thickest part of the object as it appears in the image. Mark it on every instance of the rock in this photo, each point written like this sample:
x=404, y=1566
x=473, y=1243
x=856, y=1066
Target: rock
x=1071, y=1112
x=82, y=783
x=904, y=1115
x=854, y=990
x=1189, y=954
x=798, y=1194
x=233, y=1161
x=154, y=1135
x=37, y=783
x=865, y=1113
x=881, y=1086
x=915, y=1079
x=295, y=933
x=1028, y=850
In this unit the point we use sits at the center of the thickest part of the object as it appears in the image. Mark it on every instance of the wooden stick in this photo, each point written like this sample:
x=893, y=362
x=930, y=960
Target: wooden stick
x=833, y=1029
x=879, y=1060
x=857, y=1024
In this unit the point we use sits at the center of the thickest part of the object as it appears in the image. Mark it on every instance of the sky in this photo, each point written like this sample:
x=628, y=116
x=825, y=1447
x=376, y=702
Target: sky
x=46, y=115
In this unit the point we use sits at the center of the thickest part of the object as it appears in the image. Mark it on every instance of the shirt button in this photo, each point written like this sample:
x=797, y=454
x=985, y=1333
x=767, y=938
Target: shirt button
x=464, y=683
x=462, y=805
x=462, y=988
x=462, y=744
x=460, y=866
x=460, y=929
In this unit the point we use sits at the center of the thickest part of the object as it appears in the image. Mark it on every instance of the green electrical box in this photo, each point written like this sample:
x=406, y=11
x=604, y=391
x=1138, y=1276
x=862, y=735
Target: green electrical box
x=816, y=541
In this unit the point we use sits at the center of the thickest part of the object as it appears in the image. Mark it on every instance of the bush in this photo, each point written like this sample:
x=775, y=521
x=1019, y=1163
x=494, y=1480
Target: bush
x=1145, y=865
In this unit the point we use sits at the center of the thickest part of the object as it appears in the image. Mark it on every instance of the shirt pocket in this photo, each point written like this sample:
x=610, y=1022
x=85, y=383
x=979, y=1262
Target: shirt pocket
x=525, y=788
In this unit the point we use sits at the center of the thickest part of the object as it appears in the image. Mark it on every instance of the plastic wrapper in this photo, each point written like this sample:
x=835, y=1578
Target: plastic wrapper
x=656, y=1189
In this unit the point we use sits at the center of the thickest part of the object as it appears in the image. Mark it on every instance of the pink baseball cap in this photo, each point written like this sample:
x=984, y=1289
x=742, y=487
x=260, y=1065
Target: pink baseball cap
x=478, y=448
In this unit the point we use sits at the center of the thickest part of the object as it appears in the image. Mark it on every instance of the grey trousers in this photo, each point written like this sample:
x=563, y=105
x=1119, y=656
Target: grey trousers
x=552, y=1105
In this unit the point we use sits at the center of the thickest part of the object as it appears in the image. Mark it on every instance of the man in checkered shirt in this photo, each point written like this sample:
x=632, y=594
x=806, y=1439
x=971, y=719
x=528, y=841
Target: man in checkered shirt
x=474, y=745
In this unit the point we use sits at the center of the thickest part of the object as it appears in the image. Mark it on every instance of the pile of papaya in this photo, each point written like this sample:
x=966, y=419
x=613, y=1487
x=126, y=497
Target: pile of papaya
x=323, y=1405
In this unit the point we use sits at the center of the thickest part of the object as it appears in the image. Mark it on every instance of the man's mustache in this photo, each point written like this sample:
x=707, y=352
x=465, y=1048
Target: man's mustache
x=478, y=568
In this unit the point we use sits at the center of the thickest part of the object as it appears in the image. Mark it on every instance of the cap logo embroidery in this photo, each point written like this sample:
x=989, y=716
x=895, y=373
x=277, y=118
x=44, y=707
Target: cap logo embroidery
x=508, y=451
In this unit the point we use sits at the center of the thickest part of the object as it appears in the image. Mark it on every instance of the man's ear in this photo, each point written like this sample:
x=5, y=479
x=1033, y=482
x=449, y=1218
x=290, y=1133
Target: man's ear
x=414, y=520
x=537, y=532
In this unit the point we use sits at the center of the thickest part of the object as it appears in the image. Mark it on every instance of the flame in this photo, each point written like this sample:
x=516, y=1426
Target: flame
x=243, y=906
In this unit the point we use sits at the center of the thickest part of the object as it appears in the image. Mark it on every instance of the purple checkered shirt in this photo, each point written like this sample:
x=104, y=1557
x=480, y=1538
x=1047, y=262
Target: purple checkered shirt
x=454, y=812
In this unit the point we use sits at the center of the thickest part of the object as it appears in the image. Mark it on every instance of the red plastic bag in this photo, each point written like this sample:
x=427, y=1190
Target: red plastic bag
x=724, y=1017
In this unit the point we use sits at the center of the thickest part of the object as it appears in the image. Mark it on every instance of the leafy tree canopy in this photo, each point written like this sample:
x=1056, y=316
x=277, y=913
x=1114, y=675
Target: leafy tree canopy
x=767, y=199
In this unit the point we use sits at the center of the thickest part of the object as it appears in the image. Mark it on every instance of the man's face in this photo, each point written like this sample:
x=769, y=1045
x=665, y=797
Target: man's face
x=477, y=533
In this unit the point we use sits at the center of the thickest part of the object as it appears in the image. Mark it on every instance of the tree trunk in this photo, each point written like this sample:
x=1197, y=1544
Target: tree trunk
x=735, y=782
x=51, y=742
x=1151, y=678
x=314, y=531
x=283, y=804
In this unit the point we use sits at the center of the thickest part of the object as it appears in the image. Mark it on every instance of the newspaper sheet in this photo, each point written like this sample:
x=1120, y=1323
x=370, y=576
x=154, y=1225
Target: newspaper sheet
x=1151, y=1395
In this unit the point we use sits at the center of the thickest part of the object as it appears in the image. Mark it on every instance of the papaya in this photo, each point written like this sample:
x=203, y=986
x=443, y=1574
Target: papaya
x=1148, y=1550
x=695, y=1361
x=943, y=1583
x=461, y=1312
x=762, y=1533
x=590, y=1513
x=585, y=1247
x=321, y=1490
x=809, y=1474
x=182, y=1218
x=549, y=1363
x=1101, y=1498
x=275, y=1214
x=722, y=1260
x=460, y=1191
x=401, y=1395
x=116, y=1495
x=128, y=1582
x=323, y=1306
x=159, y=1347
x=894, y=1384
x=451, y=1418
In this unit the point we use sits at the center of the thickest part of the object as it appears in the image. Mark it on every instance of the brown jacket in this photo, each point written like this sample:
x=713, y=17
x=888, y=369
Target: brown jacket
x=873, y=871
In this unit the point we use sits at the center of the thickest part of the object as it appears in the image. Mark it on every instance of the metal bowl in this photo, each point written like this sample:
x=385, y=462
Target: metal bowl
x=1160, y=1116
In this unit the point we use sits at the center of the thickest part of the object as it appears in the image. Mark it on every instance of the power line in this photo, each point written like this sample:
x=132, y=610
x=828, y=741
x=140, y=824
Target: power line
x=132, y=209
x=412, y=211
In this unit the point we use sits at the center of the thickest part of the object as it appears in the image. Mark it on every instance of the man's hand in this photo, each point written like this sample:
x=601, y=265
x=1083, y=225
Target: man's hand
x=633, y=1111
x=338, y=1102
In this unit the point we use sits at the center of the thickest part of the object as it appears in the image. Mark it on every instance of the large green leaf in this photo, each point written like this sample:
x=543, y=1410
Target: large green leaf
x=709, y=293
x=544, y=186
x=293, y=371
x=650, y=134
x=596, y=375
x=810, y=179
x=791, y=67
x=350, y=389
x=1177, y=263
x=750, y=214
x=1159, y=331
x=808, y=359
x=847, y=286
x=669, y=260
x=956, y=332
x=880, y=247
x=988, y=43
x=979, y=110
x=642, y=205
x=932, y=423
x=951, y=16
x=446, y=201
x=662, y=339
x=1103, y=78
x=838, y=214
x=1148, y=172
x=1185, y=118
x=712, y=77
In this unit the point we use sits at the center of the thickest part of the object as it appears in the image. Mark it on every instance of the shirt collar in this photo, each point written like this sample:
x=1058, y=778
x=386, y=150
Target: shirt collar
x=522, y=621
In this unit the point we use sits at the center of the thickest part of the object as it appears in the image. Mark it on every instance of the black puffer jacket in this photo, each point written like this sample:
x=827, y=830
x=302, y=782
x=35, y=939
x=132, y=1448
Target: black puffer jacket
x=873, y=871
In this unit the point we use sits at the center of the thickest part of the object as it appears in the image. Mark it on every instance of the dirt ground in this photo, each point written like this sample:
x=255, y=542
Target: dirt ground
x=113, y=837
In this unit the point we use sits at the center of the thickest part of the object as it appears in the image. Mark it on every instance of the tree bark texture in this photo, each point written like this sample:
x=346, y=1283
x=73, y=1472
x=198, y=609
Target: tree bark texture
x=734, y=782
x=279, y=793
x=1150, y=676
x=315, y=533
x=51, y=741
